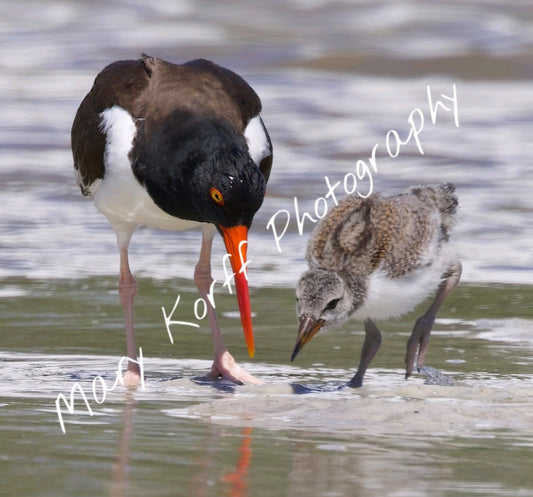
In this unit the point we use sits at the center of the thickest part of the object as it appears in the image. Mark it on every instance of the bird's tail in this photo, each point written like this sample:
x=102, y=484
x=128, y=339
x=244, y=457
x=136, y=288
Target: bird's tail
x=445, y=200
x=447, y=203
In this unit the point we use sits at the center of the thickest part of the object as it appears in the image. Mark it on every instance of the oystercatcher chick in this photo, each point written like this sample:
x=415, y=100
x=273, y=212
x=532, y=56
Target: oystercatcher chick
x=377, y=258
x=174, y=147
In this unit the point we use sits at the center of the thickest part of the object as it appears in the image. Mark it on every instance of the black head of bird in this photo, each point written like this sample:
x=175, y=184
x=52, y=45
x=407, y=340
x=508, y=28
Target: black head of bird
x=208, y=174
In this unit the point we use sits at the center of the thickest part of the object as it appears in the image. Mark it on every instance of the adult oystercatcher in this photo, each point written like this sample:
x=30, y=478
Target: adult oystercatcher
x=376, y=258
x=174, y=147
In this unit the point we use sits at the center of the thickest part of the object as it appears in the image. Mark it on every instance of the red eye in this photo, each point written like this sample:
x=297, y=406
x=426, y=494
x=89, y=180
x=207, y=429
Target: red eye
x=216, y=196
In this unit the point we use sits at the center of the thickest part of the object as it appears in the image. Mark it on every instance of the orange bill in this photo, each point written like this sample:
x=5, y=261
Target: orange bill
x=236, y=239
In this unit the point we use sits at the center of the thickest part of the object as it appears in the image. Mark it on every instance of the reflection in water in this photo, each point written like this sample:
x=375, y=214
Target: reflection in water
x=207, y=462
x=239, y=478
x=206, y=465
x=120, y=474
x=358, y=468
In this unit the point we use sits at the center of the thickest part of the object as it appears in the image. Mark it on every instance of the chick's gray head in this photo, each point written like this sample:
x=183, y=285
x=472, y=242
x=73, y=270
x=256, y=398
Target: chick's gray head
x=322, y=297
x=322, y=294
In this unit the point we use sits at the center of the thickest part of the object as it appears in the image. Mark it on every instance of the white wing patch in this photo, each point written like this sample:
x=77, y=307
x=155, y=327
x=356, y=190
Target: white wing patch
x=256, y=137
x=119, y=128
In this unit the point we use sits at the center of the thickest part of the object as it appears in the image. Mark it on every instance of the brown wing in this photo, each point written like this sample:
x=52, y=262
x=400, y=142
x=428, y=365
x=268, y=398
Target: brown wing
x=205, y=87
x=392, y=233
x=242, y=96
x=359, y=235
x=245, y=98
x=342, y=236
x=121, y=83
x=405, y=229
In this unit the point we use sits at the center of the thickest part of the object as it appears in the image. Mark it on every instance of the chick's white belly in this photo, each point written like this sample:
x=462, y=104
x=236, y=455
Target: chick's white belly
x=387, y=298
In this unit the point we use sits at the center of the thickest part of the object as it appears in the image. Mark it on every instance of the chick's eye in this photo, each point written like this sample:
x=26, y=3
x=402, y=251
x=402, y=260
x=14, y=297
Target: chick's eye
x=332, y=304
x=216, y=196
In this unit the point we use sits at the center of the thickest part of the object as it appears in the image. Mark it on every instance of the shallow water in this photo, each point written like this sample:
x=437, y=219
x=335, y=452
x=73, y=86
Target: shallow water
x=334, y=77
x=301, y=433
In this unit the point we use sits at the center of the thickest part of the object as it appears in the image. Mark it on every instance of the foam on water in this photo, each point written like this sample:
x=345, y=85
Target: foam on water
x=518, y=331
x=413, y=409
x=473, y=407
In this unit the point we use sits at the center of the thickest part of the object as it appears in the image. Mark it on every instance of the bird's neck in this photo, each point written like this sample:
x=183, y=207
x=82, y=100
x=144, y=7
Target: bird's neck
x=357, y=286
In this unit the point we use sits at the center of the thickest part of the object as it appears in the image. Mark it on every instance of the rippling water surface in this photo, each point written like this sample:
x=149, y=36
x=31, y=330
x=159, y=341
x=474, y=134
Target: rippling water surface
x=334, y=77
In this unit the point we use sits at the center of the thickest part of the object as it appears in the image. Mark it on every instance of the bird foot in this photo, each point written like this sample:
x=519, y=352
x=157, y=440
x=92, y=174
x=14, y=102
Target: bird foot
x=355, y=382
x=131, y=379
x=225, y=367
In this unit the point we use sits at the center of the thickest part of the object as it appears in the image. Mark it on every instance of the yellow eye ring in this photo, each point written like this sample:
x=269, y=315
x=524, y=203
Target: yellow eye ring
x=216, y=196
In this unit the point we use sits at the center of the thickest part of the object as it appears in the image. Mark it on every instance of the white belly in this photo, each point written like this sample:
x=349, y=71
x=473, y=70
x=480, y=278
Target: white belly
x=123, y=200
x=388, y=298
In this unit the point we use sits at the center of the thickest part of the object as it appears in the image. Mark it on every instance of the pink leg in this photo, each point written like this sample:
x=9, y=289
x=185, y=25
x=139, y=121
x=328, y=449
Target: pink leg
x=127, y=289
x=224, y=365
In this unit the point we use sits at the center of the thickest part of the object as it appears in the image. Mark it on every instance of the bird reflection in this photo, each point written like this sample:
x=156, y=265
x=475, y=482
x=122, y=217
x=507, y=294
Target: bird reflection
x=120, y=475
x=208, y=455
x=239, y=478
